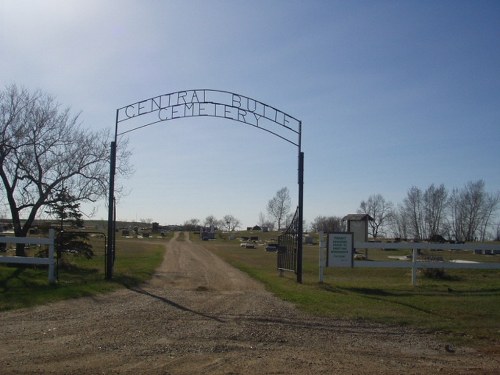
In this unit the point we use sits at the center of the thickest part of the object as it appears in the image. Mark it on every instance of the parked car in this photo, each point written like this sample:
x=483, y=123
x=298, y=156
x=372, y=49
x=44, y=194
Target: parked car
x=272, y=247
x=250, y=245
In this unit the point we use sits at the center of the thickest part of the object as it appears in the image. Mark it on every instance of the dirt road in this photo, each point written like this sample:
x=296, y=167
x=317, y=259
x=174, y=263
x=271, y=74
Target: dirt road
x=199, y=315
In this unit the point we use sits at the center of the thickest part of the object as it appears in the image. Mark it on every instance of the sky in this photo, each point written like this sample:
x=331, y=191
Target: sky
x=391, y=94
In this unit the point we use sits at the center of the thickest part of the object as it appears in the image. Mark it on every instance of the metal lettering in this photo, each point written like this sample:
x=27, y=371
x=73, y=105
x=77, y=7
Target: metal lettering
x=257, y=118
x=219, y=106
x=159, y=102
x=126, y=111
x=202, y=109
x=276, y=118
x=155, y=102
x=260, y=109
x=175, y=112
x=163, y=113
x=181, y=94
x=169, y=98
x=140, y=107
x=189, y=106
x=254, y=105
x=226, y=111
x=195, y=95
x=266, y=111
x=241, y=114
x=222, y=104
x=236, y=101
x=285, y=121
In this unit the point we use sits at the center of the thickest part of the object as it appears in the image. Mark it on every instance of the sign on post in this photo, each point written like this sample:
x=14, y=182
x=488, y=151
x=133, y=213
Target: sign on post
x=340, y=250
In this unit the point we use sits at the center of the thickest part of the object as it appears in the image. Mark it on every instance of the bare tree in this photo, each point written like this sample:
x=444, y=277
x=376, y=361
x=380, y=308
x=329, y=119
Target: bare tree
x=279, y=206
x=231, y=222
x=471, y=211
x=399, y=222
x=491, y=205
x=211, y=222
x=465, y=214
x=42, y=149
x=380, y=210
x=423, y=213
x=192, y=224
x=328, y=224
x=414, y=209
x=265, y=222
x=262, y=219
x=435, y=201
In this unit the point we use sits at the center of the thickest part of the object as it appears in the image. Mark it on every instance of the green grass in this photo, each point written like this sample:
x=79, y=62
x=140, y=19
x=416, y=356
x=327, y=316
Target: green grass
x=27, y=286
x=464, y=305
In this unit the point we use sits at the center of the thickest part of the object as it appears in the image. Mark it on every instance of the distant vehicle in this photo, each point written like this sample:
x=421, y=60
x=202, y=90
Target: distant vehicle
x=248, y=245
x=272, y=247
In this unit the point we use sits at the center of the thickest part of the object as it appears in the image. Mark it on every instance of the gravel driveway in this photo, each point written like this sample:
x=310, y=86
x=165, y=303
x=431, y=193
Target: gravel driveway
x=199, y=315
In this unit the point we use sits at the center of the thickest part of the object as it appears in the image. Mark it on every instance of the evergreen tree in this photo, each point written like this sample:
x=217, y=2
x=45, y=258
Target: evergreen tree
x=70, y=240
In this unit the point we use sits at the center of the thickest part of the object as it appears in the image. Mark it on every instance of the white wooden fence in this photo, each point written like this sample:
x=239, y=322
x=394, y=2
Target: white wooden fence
x=416, y=263
x=50, y=261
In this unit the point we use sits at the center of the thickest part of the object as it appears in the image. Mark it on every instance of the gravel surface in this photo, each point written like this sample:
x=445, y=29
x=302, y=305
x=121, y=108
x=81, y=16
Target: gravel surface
x=199, y=315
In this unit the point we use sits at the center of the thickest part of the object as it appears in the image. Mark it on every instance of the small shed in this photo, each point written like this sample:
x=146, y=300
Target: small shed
x=358, y=225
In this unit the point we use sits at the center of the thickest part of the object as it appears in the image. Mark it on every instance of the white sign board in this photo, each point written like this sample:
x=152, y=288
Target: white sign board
x=340, y=250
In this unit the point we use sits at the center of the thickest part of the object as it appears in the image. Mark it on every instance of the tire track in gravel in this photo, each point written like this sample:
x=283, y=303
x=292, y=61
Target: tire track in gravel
x=198, y=315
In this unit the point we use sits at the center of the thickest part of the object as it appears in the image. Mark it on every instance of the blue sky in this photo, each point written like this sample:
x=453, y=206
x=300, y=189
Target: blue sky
x=391, y=94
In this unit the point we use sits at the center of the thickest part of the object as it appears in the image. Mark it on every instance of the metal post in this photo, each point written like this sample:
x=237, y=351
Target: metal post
x=414, y=267
x=300, y=226
x=111, y=203
x=52, y=276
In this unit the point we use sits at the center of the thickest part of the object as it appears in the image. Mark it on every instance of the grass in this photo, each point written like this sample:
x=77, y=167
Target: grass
x=28, y=286
x=464, y=305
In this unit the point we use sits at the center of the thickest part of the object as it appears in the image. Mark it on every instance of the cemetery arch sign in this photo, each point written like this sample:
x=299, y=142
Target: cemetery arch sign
x=221, y=104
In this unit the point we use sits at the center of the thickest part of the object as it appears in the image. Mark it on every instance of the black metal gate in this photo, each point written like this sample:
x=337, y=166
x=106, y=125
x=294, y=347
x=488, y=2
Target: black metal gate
x=288, y=245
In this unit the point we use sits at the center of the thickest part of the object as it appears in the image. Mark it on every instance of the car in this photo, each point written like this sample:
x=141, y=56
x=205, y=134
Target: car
x=248, y=245
x=272, y=247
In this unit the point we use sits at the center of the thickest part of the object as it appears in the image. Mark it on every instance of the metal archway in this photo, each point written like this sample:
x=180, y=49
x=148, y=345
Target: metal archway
x=213, y=103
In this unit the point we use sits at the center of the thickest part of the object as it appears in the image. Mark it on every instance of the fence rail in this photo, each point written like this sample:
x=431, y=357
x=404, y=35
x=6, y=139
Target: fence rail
x=425, y=246
x=50, y=261
x=414, y=263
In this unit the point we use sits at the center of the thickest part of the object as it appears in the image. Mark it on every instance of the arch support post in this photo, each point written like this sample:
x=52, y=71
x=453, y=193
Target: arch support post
x=110, y=248
x=301, y=217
